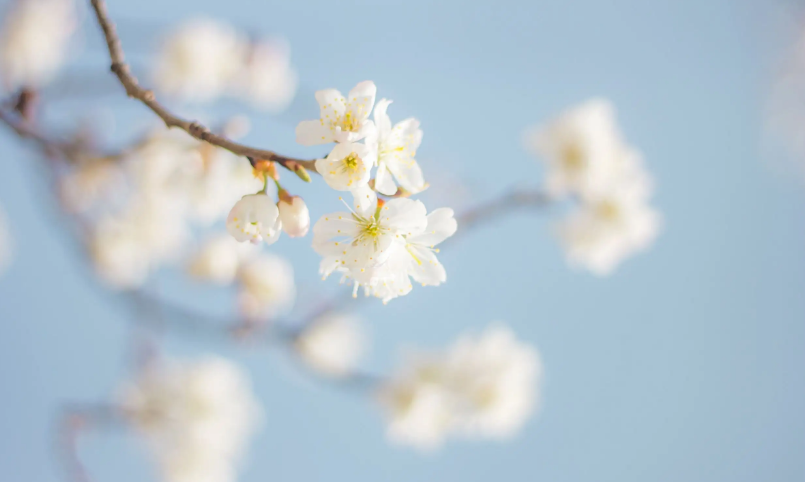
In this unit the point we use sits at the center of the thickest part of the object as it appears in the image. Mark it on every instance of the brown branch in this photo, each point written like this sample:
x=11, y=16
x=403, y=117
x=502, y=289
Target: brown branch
x=195, y=129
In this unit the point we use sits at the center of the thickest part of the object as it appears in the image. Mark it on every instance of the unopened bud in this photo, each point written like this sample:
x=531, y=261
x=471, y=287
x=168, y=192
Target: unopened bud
x=294, y=215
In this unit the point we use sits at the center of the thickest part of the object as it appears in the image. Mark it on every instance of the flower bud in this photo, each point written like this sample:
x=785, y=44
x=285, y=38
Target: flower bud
x=294, y=215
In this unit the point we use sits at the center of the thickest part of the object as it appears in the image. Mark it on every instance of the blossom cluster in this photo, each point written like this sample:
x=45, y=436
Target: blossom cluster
x=377, y=244
x=197, y=417
x=482, y=386
x=204, y=59
x=588, y=159
x=34, y=40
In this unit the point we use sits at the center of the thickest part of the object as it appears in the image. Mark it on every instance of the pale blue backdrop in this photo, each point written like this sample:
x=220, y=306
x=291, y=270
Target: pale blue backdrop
x=686, y=365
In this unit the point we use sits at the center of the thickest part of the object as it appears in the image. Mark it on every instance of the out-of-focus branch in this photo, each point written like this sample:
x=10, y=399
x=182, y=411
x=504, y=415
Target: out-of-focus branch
x=73, y=421
x=195, y=129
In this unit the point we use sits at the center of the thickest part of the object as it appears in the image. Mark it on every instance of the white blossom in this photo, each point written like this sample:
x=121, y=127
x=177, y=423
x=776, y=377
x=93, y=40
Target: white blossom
x=579, y=147
x=267, y=79
x=342, y=119
x=89, y=183
x=484, y=386
x=612, y=223
x=267, y=286
x=34, y=41
x=199, y=60
x=348, y=166
x=254, y=218
x=411, y=253
x=396, y=149
x=197, y=417
x=294, y=215
x=332, y=344
x=219, y=259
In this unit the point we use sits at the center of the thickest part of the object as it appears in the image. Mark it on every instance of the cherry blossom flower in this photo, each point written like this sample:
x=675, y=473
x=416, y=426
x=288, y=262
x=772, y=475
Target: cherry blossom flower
x=342, y=119
x=34, y=41
x=611, y=223
x=482, y=386
x=579, y=147
x=396, y=149
x=199, y=60
x=254, y=218
x=348, y=166
x=266, y=286
x=219, y=259
x=267, y=79
x=196, y=417
x=332, y=344
x=294, y=215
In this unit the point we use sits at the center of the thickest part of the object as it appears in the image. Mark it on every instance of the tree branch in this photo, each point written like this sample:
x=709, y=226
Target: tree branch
x=195, y=129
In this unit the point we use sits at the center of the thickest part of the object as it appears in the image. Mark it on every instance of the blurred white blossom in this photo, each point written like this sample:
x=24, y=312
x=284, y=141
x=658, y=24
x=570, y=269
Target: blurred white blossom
x=267, y=286
x=342, y=119
x=578, y=148
x=483, y=386
x=612, y=224
x=219, y=259
x=34, y=40
x=267, y=79
x=332, y=344
x=197, y=417
x=199, y=60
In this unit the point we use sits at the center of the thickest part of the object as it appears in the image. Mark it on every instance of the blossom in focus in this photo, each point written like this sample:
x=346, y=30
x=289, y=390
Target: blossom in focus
x=34, y=40
x=411, y=253
x=267, y=78
x=483, y=386
x=254, y=218
x=294, y=215
x=197, y=417
x=332, y=344
x=266, y=286
x=342, y=119
x=219, y=259
x=396, y=149
x=578, y=148
x=199, y=60
x=612, y=224
x=348, y=166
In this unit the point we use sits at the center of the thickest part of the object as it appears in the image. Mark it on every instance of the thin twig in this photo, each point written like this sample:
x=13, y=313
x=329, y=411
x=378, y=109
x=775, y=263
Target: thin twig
x=73, y=421
x=195, y=129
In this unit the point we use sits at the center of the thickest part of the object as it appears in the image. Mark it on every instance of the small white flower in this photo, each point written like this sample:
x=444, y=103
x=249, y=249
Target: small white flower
x=34, y=41
x=197, y=417
x=361, y=239
x=411, y=254
x=267, y=78
x=348, y=166
x=332, y=344
x=199, y=60
x=611, y=225
x=294, y=215
x=483, y=386
x=267, y=286
x=342, y=119
x=254, y=218
x=396, y=149
x=219, y=259
x=579, y=147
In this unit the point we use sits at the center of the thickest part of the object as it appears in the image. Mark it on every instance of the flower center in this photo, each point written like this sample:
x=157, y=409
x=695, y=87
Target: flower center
x=348, y=122
x=351, y=161
x=573, y=157
x=607, y=210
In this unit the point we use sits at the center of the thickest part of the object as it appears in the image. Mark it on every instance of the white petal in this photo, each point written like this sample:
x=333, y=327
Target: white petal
x=404, y=216
x=313, y=132
x=441, y=225
x=383, y=181
x=361, y=99
x=408, y=174
x=331, y=102
x=425, y=268
x=365, y=201
x=381, y=117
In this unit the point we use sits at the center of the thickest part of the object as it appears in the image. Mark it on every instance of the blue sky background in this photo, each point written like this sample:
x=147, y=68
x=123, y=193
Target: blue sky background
x=686, y=365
